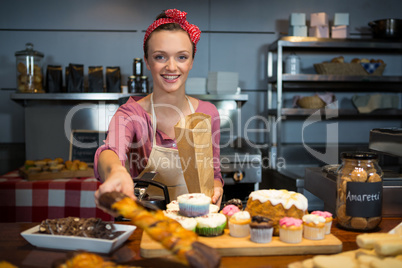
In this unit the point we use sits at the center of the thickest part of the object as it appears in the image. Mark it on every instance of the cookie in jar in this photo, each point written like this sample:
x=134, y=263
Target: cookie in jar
x=359, y=191
x=29, y=70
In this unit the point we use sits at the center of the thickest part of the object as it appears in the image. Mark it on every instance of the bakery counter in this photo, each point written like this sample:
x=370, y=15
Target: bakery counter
x=16, y=250
x=33, y=201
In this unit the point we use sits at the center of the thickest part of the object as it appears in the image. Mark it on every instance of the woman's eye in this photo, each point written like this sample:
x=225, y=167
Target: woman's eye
x=159, y=57
x=183, y=57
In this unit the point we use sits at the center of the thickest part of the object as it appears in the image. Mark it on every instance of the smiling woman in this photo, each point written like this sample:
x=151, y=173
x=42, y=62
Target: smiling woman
x=144, y=129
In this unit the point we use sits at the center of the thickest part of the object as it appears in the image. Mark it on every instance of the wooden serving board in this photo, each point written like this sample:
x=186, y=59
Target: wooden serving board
x=227, y=245
x=49, y=175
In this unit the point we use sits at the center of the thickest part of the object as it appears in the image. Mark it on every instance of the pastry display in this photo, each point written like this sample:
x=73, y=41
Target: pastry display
x=183, y=243
x=239, y=224
x=212, y=224
x=261, y=229
x=290, y=230
x=276, y=204
x=83, y=227
x=193, y=205
x=328, y=219
x=53, y=165
x=313, y=227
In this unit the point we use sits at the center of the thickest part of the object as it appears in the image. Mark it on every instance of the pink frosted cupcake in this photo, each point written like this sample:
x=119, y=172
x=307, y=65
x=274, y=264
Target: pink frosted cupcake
x=328, y=219
x=228, y=211
x=313, y=227
x=290, y=230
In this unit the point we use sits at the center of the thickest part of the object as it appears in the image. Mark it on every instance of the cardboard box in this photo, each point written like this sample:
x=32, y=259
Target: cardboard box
x=341, y=31
x=318, y=19
x=319, y=31
x=298, y=30
x=297, y=19
x=341, y=19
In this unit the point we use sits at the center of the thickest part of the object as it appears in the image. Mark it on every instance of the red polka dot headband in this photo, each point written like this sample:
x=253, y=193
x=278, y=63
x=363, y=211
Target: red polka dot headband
x=179, y=17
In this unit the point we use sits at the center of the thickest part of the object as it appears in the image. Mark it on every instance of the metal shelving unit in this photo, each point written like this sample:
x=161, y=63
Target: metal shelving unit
x=279, y=82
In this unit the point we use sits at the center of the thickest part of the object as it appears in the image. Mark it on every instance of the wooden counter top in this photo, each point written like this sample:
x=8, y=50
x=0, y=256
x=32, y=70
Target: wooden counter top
x=16, y=250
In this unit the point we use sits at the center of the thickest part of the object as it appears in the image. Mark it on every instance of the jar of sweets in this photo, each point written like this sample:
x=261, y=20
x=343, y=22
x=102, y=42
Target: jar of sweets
x=359, y=191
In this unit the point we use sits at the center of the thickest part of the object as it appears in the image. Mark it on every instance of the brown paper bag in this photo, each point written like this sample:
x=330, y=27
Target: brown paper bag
x=194, y=142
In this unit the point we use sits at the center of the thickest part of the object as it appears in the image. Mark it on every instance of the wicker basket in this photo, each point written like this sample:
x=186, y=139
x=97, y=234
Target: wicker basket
x=346, y=69
x=311, y=102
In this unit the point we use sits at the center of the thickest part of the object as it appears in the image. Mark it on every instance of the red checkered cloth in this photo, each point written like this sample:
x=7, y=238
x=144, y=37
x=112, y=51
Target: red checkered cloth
x=34, y=201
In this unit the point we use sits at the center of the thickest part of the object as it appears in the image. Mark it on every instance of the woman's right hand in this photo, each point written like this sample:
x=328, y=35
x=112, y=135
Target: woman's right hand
x=118, y=180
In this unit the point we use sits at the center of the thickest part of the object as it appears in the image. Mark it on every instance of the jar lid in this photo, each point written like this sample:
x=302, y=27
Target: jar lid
x=29, y=51
x=359, y=155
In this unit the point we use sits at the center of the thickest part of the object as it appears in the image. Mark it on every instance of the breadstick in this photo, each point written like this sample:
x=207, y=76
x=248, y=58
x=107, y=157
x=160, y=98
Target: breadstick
x=163, y=229
x=388, y=247
x=367, y=240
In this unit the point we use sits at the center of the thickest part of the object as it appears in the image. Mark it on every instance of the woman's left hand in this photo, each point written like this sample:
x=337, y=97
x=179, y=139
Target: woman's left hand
x=218, y=193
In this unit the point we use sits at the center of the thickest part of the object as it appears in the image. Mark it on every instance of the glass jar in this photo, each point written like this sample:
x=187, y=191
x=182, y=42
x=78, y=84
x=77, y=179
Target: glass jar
x=29, y=70
x=359, y=191
x=292, y=64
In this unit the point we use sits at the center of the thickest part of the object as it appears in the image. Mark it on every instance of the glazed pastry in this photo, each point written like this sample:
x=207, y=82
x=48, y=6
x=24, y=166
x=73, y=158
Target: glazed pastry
x=276, y=204
x=162, y=229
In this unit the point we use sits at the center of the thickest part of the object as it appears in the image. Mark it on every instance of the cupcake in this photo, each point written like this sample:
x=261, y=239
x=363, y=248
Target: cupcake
x=212, y=224
x=213, y=208
x=328, y=219
x=313, y=227
x=228, y=211
x=235, y=201
x=290, y=230
x=193, y=205
x=239, y=224
x=174, y=205
x=187, y=223
x=261, y=229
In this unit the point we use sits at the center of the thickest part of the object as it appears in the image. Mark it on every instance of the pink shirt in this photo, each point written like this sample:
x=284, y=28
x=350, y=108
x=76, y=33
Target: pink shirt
x=130, y=133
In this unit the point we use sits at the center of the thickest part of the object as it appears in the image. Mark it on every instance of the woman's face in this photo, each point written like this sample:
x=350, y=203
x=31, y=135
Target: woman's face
x=169, y=59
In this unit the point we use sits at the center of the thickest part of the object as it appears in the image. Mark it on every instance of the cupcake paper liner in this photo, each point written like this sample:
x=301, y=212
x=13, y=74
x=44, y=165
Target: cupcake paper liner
x=239, y=230
x=328, y=227
x=261, y=235
x=191, y=210
x=209, y=231
x=290, y=236
x=313, y=233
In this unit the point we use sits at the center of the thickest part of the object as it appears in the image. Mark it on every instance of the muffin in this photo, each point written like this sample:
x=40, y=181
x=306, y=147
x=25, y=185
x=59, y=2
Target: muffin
x=173, y=205
x=228, y=211
x=213, y=208
x=187, y=223
x=313, y=227
x=239, y=224
x=235, y=201
x=212, y=224
x=290, y=230
x=193, y=205
x=328, y=219
x=261, y=229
